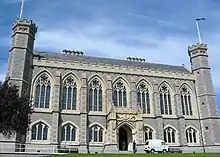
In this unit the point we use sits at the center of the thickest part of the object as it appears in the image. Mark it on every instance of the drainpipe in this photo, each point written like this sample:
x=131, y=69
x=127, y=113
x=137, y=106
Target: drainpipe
x=200, y=123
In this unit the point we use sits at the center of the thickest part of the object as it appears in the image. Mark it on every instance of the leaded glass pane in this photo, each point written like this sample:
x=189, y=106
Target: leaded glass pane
x=37, y=96
x=47, y=97
x=42, y=96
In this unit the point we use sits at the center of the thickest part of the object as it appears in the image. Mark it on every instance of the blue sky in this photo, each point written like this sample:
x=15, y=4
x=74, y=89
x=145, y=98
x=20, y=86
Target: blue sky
x=156, y=30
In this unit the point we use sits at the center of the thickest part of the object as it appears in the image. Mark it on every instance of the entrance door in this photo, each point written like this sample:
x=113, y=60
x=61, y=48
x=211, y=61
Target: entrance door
x=123, y=139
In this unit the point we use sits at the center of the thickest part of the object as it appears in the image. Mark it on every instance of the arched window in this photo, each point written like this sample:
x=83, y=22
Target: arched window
x=69, y=94
x=143, y=97
x=169, y=135
x=42, y=92
x=95, y=95
x=191, y=135
x=95, y=134
x=68, y=132
x=165, y=100
x=148, y=134
x=120, y=94
x=39, y=131
x=186, y=101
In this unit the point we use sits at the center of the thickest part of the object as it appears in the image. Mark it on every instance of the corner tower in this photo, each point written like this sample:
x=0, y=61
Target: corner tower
x=205, y=94
x=21, y=54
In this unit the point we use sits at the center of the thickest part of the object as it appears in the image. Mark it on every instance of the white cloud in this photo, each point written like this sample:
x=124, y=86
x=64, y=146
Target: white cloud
x=111, y=45
x=13, y=1
x=102, y=38
x=3, y=68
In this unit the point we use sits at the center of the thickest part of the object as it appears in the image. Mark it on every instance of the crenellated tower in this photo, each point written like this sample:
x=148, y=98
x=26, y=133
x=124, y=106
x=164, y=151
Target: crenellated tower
x=21, y=54
x=206, y=98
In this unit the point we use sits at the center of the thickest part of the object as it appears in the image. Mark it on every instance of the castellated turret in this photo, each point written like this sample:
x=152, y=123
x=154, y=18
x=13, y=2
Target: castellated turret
x=204, y=91
x=20, y=54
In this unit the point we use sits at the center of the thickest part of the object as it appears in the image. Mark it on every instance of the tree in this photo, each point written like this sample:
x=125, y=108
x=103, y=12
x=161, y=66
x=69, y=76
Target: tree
x=15, y=111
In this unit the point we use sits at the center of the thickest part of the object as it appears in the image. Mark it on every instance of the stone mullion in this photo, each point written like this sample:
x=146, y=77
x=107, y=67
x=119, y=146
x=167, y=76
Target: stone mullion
x=97, y=101
x=71, y=101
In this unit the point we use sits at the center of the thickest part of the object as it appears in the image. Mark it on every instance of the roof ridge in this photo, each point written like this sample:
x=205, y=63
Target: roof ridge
x=114, y=61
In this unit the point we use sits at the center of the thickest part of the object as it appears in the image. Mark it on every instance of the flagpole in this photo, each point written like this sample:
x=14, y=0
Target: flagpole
x=197, y=28
x=21, y=10
x=198, y=32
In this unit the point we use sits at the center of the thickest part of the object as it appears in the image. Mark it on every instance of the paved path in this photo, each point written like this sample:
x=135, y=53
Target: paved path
x=21, y=155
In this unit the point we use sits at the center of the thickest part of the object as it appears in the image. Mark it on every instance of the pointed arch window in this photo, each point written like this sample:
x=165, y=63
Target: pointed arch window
x=165, y=100
x=143, y=97
x=191, y=135
x=148, y=134
x=186, y=101
x=68, y=133
x=120, y=94
x=69, y=94
x=39, y=131
x=42, y=92
x=169, y=135
x=95, y=134
x=95, y=95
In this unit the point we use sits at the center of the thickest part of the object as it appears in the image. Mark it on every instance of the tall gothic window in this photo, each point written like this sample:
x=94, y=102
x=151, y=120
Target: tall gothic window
x=165, y=101
x=143, y=97
x=68, y=132
x=169, y=135
x=95, y=134
x=95, y=95
x=69, y=94
x=191, y=135
x=120, y=94
x=42, y=92
x=186, y=101
x=39, y=131
x=148, y=133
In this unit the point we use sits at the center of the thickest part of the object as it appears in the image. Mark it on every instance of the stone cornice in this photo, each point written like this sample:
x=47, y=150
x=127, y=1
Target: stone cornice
x=108, y=68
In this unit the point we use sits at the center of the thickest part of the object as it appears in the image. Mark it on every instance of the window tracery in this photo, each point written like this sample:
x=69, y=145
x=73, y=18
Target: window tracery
x=95, y=95
x=42, y=92
x=68, y=133
x=39, y=131
x=69, y=94
x=120, y=94
x=169, y=135
x=165, y=100
x=143, y=97
x=191, y=135
x=186, y=101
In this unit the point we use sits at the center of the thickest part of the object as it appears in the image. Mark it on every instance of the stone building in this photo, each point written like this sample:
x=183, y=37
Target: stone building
x=99, y=104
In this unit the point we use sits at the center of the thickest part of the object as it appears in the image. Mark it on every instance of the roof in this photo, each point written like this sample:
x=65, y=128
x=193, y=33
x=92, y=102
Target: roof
x=91, y=59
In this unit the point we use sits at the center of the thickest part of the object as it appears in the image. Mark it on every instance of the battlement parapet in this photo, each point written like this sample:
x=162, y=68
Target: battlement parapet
x=197, y=46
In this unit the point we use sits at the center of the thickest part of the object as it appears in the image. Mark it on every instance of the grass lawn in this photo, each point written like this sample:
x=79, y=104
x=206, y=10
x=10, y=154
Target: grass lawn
x=140, y=155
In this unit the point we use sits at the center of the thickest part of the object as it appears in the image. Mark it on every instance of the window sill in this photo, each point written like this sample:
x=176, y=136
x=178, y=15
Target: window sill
x=70, y=112
x=96, y=143
x=101, y=113
x=172, y=144
x=47, y=110
x=190, y=117
x=39, y=142
x=193, y=144
x=147, y=115
x=169, y=116
x=70, y=143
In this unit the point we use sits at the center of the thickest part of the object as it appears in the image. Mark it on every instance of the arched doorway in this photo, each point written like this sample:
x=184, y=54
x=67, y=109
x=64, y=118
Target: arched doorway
x=124, y=137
